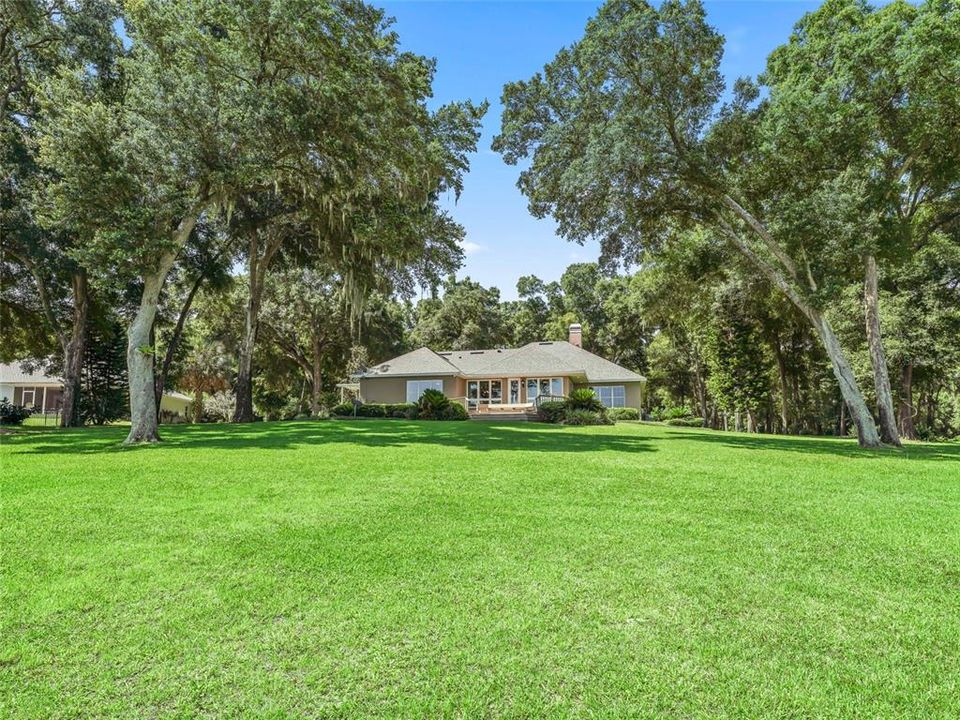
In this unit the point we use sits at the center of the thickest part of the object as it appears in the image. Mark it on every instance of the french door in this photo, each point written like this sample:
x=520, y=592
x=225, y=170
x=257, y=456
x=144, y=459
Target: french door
x=513, y=391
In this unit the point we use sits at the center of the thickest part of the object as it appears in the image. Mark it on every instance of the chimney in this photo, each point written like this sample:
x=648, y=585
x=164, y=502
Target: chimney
x=576, y=335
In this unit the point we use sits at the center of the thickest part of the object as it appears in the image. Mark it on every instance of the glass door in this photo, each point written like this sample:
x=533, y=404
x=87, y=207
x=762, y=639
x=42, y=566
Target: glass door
x=473, y=394
x=513, y=385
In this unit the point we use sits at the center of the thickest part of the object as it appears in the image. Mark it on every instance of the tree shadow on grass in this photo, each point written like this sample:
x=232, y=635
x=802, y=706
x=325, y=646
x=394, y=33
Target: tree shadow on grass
x=475, y=437
x=843, y=447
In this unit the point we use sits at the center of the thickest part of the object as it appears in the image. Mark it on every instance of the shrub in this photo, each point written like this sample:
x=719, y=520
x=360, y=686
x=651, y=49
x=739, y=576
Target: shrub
x=584, y=399
x=219, y=407
x=402, y=410
x=586, y=417
x=684, y=422
x=672, y=413
x=432, y=405
x=552, y=411
x=372, y=410
x=11, y=414
x=624, y=413
x=342, y=410
x=454, y=411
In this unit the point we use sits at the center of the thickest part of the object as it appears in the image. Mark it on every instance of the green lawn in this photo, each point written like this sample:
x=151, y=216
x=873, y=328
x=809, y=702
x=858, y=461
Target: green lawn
x=399, y=569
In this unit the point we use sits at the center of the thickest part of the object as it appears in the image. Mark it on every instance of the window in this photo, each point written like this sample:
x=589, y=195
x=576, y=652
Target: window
x=544, y=386
x=29, y=397
x=611, y=395
x=415, y=388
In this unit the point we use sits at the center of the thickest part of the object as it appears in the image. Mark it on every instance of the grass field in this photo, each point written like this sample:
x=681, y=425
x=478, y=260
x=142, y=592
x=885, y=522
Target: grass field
x=398, y=569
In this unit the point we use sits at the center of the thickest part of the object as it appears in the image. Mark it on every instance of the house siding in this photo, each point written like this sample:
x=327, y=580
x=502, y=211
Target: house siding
x=633, y=390
x=394, y=389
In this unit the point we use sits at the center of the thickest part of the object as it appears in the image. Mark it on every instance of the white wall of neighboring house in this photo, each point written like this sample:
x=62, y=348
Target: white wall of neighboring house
x=6, y=391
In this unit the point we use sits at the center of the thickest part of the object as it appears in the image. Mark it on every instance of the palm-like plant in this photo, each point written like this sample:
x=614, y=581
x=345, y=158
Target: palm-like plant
x=584, y=399
x=432, y=404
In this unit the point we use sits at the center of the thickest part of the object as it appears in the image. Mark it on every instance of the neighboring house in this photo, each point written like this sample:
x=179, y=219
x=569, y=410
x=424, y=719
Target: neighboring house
x=34, y=390
x=44, y=393
x=507, y=379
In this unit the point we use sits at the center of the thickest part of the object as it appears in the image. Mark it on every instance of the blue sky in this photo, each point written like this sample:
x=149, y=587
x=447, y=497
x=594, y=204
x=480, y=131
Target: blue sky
x=479, y=46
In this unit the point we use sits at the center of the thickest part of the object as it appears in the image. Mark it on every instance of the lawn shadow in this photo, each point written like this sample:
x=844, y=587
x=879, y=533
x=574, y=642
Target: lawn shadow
x=843, y=447
x=475, y=437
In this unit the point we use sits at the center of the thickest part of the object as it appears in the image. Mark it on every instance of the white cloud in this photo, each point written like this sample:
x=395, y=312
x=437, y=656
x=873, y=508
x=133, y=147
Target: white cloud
x=471, y=248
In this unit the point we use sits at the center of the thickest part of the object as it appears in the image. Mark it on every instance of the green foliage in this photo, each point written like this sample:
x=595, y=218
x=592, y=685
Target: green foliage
x=376, y=410
x=672, y=413
x=468, y=317
x=684, y=421
x=11, y=414
x=552, y=411
x=454, y=411
x=586, y=417
x=584, y=399
x=432, y=404
x=739, y=377
x=624, y=413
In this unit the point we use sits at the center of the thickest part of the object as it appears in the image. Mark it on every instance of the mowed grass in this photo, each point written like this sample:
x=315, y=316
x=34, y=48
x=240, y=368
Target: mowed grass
x=413, y=570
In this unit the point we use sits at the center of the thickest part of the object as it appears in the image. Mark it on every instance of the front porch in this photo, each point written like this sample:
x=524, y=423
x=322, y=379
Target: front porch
x=511, y=396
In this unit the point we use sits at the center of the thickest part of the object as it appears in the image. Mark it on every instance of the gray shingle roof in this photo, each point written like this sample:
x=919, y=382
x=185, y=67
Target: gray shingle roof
x=417, y=362
x=537, y=359
x=15, y=373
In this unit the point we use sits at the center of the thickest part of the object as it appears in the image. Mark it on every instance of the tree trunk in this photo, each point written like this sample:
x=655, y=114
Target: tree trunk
x=782, y=373
x=843, y=419
x=856, y=405
x=907, y=428
x=866, y=428
x=174, y=341
x=881, y=378
x=73, y=352
x=316, y=377
x=198, y=406
x=140, y=358
x=143, y=414
x=257, y=270
x=243, y=413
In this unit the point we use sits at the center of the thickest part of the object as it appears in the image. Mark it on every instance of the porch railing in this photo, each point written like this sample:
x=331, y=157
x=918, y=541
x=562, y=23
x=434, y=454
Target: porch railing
x=547, y=398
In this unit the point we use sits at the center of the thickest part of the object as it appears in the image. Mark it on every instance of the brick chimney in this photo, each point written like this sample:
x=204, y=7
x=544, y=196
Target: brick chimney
x=576, y=335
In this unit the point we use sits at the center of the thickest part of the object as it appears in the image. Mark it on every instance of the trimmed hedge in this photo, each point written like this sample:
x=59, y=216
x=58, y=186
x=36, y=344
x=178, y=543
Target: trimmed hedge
x=624, y=413
x=407, y=411
x=685, y=422
x=586, y=417
x=375, y=410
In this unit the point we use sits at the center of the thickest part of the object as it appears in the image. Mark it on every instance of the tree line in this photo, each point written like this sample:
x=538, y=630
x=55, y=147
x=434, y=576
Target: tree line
x=242, y=201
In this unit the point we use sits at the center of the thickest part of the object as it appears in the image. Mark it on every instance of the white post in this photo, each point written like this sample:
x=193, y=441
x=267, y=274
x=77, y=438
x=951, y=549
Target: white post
x=44, y=400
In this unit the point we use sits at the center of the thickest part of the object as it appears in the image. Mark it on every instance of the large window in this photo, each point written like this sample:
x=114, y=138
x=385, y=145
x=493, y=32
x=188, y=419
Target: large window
x=415, y=388
x=544, y=386
x=611, y=395
x=484, y=392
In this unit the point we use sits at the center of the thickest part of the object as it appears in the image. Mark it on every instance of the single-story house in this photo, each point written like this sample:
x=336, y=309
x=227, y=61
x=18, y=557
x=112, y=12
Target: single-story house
x=44, y=393
x=505, y=379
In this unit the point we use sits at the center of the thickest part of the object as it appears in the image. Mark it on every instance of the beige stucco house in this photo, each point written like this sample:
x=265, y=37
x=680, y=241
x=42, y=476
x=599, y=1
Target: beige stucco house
x=504, y=379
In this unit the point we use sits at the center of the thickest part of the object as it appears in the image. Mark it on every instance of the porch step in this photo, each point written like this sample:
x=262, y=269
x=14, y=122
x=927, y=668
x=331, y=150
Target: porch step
x=501, y=417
